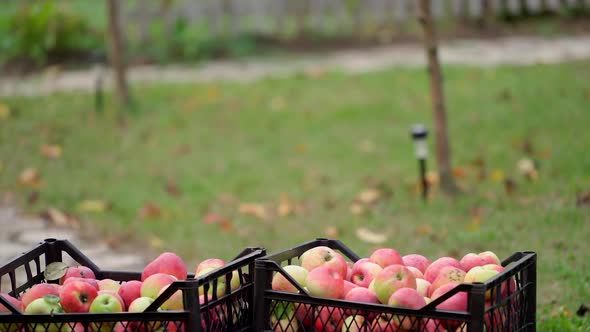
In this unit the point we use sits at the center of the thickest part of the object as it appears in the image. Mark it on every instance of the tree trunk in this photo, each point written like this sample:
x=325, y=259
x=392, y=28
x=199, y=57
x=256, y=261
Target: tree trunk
x=443, y=150
x=487, y=14
x=117, y=53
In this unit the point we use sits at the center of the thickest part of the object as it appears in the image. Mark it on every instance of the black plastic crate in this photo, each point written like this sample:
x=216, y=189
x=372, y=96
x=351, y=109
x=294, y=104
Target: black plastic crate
x=230, y=311
x=513, y=310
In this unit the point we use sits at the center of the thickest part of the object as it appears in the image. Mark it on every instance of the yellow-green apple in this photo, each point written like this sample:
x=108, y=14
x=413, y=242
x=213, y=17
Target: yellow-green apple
x=490, y=257
x=422, y=286
x=364, y=273
x=348, y=286
x=471, y=260
x=323, y=281
x=418, y=261
x=356, y=323
x=77, y=296
x=279, y=282
x=48, y=304
x=18, y=305
x=324, y=256
x=221, y=288
x=457, y=302
x=92, y=282
x=417, y=273
x=108, y=284
x=390, y=279
x=129, y=291
x=80, y=271
x=329, y=319
x=509, y=286
x=115, y=294
x=433, y=269
x=283, y=318
x=168, y=263
x=448, y=274
x=383, y=323
x=140, y=304
x=38, y=291
x=152, y=285
x=105, y=303
x=209, y=264
x=479, y=274
x=385, y=257
x=427, y=300
x=406, y=298
x=174, y=302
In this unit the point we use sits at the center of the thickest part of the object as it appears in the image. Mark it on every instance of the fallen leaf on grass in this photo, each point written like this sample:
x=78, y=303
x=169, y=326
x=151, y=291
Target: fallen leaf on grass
x=4, y=111
x=33, y=197
x=509, y=186
x=285, y=207
x=357, y=209
x=459, y=173
x=277, y=103
x=314, y=72
x=30, y=177
x=367, y=146
x=583, y=199
x=93, y=205
x=156, y=243
x=369, y=196
x=224, y=223
x=149, y=211
x=528, y=168
x=55, y=216
x=370, y=237
x=497, y=175
x=331, y=232
x=432, y=178
x=255, y=210
x=423, y=230
x=172, y=189
x=51, y=151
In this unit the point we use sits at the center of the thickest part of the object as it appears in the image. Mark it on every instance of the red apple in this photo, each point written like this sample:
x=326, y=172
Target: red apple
x=418, y=261
x=457, y=302
x=385, y=257
x=329, y=319
x=168, y=263
x=324, y=256
x=348, y=286
x=471, y=260
x=448, y=274
x=417, y=273
x=279, y=282
x=109, y=284
x=77, y=296
x=304, y=313
x=38, y=291
x=10, y=327
x=364, y=273
x=348, y=271
x=406, y=298
x=129, y=291
x=209, y=264
x=152, y=285
x=433, y=269
x=391, y=279
x=361, y=294
x=323, y=281
x=92, y=282
x=78, y=271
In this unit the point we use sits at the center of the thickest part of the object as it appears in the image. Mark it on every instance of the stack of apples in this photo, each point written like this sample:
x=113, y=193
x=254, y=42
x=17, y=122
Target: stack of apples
x=78, y=291
x=385, y=277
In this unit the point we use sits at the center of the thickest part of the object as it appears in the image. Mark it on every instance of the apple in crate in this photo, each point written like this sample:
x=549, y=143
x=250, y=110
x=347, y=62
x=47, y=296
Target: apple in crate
x=364, y=273
x=448, y=274
x=92, y=282
x=418, y=261
x=406, y=298
x=471, y=260
x=105, y=303
x=433, y=269
x=323, y=281
x=174, y=302
x=385, y=257
x=422, y=286
x=209, y=265
x=152, y=285
x=282, y=319
x=280, y=283
x=109, y=284
x=79, y=272
x=490, y=257
x=77, y=296
x=38, y=291
x=329, y=319
x=168, y=263
x=48, y=304
x=390, y=279
x=383, y=323
x=355, y=323
x=324, y=256
x=8, y=327
x=129, y=291
x=115, y=294
x=457, y=302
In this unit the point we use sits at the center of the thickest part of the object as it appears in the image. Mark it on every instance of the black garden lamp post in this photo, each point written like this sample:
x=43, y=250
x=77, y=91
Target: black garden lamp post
x=419, y=135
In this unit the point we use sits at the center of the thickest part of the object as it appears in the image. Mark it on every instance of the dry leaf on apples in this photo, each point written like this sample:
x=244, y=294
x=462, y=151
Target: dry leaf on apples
x=30, y=177
x=369, y=196
x=254, y=209
x=369, y=236
x=51, y=151
x=93, y=205
x=149, y=211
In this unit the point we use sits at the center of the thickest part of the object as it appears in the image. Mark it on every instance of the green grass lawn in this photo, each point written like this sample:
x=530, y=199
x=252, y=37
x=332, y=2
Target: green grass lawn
x=315, y=144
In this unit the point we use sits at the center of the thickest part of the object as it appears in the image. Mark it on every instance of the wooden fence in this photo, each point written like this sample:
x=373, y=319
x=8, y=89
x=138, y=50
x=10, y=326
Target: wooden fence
x=327, y=17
